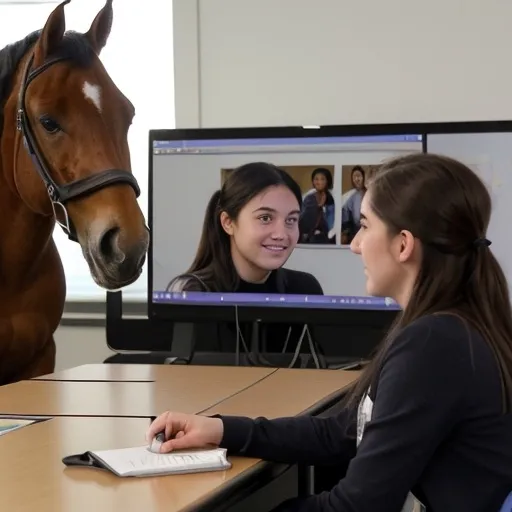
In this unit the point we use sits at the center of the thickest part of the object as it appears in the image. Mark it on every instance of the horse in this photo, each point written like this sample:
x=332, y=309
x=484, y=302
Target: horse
x=64, y=160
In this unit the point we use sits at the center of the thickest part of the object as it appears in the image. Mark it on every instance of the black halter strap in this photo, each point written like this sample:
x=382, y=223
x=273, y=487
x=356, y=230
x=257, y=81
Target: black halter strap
x=60, y=194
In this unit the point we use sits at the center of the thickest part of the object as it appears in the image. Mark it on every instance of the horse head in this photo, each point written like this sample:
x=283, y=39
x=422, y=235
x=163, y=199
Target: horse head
x=71, y=158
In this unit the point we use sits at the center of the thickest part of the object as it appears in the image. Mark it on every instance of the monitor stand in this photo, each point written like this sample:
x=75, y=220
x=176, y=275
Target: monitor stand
x=249, y=353
x=260, y=357
x=183, y=342
x=257, y=344
x=185, y=337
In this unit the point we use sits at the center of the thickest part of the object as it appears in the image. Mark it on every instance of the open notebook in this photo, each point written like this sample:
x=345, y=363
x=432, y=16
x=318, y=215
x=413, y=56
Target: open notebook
x=140, y=461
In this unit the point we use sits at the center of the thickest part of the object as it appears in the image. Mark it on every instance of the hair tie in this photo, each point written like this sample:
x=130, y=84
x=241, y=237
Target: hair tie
x=482, y=242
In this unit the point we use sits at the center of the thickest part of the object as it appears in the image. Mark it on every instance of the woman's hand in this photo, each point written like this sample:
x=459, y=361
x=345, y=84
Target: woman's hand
x=185, y=431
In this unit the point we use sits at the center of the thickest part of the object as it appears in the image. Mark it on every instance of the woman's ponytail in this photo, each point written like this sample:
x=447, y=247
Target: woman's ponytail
x=491, y=313
x=211, y=224
x=212, y=262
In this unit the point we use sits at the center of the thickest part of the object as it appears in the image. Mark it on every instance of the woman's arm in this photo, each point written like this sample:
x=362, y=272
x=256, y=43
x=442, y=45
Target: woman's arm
x=419, y=400
x=346, y=213
x=304, y=439
x=309, y=215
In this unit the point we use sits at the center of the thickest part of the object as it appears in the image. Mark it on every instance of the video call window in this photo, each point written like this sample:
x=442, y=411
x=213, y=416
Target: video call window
x=332, y=174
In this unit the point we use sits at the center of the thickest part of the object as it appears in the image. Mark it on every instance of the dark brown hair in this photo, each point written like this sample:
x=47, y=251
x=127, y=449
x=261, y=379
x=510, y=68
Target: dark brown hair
x=447, y=207
x=326, y=173
x=213, y=264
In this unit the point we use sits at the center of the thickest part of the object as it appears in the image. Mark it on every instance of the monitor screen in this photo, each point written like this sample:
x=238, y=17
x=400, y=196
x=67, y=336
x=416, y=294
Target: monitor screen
x=186, y=172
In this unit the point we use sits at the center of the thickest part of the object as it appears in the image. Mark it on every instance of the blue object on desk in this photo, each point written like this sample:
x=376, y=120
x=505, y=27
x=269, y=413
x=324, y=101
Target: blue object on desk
x=507, y=505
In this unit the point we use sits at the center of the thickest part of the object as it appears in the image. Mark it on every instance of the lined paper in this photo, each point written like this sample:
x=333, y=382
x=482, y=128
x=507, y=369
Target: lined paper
x=139, y=461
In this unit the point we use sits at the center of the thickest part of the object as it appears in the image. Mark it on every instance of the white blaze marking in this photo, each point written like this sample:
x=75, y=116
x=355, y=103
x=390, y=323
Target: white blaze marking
x=93, y=94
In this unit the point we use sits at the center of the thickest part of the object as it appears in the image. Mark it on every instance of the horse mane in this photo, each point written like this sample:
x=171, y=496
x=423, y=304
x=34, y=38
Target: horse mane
x=74, y=47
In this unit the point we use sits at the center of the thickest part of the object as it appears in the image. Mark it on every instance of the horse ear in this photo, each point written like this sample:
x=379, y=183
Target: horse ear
x=100, y=28
x=51, y=35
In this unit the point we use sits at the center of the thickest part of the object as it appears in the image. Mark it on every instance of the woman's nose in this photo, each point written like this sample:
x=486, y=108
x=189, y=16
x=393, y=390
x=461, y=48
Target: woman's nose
x=278, y=233
x=355, y=246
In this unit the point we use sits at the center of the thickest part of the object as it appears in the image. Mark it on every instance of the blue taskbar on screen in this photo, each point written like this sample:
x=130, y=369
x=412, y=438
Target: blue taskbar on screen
x=274, y=300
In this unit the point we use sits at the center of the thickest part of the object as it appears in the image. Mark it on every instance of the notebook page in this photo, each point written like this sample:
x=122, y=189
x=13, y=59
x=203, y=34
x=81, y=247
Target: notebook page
x=139, y=461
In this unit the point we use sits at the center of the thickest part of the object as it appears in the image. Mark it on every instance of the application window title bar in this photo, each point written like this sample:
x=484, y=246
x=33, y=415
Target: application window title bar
x=188, y=145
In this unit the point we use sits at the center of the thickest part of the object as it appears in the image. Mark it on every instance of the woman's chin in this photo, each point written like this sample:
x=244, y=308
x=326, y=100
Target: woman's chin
x=370, y=289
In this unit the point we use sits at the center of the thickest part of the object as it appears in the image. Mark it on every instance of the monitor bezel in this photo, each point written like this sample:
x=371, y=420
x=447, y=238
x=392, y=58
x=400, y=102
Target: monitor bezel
x=269, y=314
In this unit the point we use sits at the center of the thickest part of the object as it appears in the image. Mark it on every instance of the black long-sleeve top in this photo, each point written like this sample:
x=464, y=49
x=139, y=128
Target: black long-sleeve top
x=436, y=429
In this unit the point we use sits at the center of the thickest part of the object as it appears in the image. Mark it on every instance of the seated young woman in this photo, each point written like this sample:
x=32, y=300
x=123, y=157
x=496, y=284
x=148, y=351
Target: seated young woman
x=250, y=229
x=429, y=420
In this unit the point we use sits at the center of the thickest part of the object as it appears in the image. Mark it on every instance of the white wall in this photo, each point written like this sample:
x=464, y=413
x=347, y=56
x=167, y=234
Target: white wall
x=268, y=62
x=80, y=345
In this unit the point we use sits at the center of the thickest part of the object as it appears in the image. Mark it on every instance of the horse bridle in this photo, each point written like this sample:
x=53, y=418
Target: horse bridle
x=60, y=194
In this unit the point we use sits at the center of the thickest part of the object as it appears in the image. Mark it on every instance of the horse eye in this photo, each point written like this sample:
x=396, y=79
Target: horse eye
x=49, y=124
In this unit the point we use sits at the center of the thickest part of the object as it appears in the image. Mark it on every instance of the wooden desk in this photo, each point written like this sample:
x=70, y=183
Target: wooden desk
x=288, y=392
x=129, y=399
x=167, y=373
x=30, y=458
x=33, y=477
x=281, y=392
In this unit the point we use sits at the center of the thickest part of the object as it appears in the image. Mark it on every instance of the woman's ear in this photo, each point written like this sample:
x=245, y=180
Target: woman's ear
x=407, y=246
x=226, y=223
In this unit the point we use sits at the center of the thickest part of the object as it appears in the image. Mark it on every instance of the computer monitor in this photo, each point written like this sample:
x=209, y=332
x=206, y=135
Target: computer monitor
x=486, y=147
x=187, y=166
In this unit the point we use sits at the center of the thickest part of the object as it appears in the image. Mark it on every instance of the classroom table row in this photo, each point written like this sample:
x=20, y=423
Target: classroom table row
x=93, y=408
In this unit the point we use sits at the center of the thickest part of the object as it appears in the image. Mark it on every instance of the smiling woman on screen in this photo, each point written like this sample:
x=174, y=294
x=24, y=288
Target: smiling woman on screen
x=250, y=230
x=428, y=425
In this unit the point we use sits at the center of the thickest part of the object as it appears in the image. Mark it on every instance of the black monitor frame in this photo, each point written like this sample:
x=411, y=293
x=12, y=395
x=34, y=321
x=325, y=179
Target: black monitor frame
x=203, y=313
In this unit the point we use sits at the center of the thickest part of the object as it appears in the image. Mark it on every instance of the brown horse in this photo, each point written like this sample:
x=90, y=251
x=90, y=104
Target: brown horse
x=63, y=157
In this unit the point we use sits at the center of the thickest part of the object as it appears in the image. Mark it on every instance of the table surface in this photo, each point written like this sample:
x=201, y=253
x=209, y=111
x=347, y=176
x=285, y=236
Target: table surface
x=116, y=415
x=235, y=391
x=288, y=392
x=33, y=477
x=156, y=373
x=131, y=399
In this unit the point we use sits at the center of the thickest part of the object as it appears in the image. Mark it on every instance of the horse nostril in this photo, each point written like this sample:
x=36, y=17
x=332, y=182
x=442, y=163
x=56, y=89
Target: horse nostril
x=108, y=244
